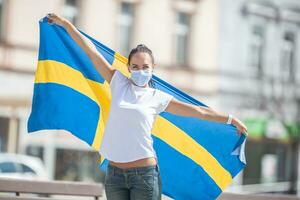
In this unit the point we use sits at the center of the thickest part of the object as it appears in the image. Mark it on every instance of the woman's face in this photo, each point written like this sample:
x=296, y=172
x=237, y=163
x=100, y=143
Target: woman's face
x=140, y=61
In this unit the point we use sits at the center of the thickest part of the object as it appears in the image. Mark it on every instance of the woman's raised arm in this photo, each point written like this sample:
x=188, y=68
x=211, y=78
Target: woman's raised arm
x=100, y=63
x=185, y=109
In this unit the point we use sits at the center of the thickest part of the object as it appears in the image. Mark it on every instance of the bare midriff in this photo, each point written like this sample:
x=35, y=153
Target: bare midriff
x=137, y=163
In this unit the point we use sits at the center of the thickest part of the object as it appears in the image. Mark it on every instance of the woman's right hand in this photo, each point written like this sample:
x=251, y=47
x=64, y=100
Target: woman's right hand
x=55, y=19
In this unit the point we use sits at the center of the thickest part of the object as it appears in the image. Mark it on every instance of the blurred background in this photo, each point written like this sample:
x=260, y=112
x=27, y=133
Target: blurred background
x=237, y=56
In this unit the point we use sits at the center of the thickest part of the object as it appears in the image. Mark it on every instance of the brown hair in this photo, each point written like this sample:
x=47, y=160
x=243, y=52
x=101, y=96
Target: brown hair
x=145, y=49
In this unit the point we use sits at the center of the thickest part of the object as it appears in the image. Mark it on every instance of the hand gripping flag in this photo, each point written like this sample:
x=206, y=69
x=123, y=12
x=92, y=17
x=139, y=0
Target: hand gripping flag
x=198, y=159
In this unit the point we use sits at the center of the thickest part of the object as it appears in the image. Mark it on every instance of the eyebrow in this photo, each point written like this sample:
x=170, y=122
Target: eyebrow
x=143, y=65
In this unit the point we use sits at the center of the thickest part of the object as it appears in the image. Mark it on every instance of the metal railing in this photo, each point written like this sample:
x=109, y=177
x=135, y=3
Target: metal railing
x=15, y=188
x=44, y=189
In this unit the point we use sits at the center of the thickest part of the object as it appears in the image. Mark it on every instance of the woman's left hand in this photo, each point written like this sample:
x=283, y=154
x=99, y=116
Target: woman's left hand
x=241, y=128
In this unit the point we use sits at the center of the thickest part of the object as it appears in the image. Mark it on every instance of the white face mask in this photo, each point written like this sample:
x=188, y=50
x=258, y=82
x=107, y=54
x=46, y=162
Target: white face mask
x=141, y=77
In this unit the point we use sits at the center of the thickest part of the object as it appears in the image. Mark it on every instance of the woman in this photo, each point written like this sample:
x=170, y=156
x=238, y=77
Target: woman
x=133, y=171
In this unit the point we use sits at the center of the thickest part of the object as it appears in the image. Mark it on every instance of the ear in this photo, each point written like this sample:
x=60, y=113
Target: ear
x=154, y=65
x=128, y=68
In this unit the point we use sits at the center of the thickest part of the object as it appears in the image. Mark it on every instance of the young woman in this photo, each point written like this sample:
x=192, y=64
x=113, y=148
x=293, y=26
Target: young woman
x=133, y=171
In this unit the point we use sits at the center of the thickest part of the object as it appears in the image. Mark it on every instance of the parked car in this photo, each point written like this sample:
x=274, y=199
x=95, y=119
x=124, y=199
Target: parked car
x=22, y=167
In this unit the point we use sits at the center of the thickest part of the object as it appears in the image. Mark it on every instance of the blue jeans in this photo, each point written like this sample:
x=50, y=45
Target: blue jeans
x=137, y=183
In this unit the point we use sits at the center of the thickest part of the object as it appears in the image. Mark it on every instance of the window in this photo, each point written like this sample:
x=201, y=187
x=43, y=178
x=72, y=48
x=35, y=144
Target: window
x=76, y=165
x=27, y=169
x=268, y=162
x=7, y=167
x=257, y=48
x=182, y=30
x=1, y=18
x=71, y=11
x=298, y=109
x=288, y=56
x=126, y=26
x=4, y=128
x=36, y=151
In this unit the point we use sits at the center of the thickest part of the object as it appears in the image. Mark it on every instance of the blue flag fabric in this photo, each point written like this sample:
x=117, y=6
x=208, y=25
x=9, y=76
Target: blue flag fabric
x=198, y=159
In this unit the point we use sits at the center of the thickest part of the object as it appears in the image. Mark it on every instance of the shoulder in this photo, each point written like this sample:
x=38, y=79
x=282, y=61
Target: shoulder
x=163, y=99
x=118, y=77
x=161, y=93
x=118, y=80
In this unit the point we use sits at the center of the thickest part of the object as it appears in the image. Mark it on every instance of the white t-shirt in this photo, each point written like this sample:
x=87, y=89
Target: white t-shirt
x=133, y=109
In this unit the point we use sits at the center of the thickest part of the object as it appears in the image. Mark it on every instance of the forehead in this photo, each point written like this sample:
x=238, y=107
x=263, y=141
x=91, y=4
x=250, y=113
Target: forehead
x=141, y=58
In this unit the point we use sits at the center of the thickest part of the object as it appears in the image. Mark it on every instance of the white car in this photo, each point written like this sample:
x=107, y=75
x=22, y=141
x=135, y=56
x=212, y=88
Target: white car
x=22, y=167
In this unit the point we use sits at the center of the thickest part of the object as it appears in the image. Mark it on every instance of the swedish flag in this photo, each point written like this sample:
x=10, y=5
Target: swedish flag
x=198, y=159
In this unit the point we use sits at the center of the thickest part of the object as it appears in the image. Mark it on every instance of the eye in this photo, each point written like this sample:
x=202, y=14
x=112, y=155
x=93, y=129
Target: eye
x=134, y=67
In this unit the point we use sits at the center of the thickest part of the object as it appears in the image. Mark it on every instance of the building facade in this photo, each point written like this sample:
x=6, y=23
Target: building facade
x=259, y=74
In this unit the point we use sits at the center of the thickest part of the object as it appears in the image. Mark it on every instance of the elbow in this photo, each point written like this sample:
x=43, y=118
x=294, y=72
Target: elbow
x=205, y=112
x=201, y=113
x=92, y=54
x=90, y=51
